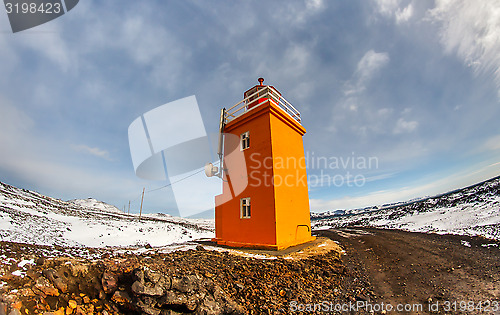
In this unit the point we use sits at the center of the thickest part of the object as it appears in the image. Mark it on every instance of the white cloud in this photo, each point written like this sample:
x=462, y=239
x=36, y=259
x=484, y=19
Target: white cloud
x=370, y=64
x=379, y=177
x=103, y=154
x=395, y=9
x=492, y=143
x=12, y=119
x=297, y=57
x=149, y=40
x=131, y=33
x=298, y=13
x=156, y=47
x=367, y=67
x=404, y=126
x=384, y=112
x=471, y=30
x=355, y=112
x=387, y=7
x=16, y=129
x=405, y=14
x=41, y=161
x=47, y=41
x=314, y=4
x=9, y=59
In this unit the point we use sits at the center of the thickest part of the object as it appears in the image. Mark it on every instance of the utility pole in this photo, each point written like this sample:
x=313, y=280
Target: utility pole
x=142, y=199
x=129, y=207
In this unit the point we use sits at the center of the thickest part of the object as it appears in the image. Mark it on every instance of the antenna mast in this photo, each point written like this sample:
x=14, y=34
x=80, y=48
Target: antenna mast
x=210, y=169
x=220, y=148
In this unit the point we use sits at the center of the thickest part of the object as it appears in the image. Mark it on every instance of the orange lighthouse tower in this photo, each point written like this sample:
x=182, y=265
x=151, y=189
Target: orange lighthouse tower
x=271, y=208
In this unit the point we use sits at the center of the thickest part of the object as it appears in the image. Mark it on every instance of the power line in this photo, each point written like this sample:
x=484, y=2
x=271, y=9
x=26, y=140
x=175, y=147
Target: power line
x=170, y=184
x=165, y=186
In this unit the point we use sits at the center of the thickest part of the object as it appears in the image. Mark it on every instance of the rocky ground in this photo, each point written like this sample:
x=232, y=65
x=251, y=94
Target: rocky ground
x=374, y=268
x=196, y=281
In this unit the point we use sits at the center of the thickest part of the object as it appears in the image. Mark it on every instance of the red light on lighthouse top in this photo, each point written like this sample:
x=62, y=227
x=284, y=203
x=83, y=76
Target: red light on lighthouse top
x=254, y=94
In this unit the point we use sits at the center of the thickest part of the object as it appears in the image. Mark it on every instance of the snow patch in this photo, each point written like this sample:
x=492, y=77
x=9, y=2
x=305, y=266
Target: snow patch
x=28, y=217
x=472, y=211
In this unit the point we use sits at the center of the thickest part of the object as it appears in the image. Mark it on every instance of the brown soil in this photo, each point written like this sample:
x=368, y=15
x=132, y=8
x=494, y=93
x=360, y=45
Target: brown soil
x=424, y=269
x=378, y=268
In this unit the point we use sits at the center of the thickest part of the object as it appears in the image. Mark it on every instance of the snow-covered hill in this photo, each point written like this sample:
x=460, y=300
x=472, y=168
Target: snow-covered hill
x=96, y=204
x=473, y=210
x=29, y=217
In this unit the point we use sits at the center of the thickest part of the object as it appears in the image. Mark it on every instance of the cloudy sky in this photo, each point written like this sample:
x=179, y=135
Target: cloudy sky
x=412, y=86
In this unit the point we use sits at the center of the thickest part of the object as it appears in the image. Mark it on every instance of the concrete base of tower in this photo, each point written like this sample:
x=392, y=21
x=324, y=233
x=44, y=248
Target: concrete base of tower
x=261, y=246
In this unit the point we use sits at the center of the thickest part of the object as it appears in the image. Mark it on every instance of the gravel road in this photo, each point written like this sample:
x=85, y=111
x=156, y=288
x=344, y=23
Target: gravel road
x=423, y=273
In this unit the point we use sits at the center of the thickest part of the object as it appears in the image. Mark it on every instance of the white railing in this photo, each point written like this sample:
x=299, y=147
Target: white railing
x=266, y=92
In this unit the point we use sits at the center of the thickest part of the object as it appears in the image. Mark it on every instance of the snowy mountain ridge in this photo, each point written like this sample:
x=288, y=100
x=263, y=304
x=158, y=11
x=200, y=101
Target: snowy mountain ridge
x=29, y=217
x=474, y=210
x=93, y=203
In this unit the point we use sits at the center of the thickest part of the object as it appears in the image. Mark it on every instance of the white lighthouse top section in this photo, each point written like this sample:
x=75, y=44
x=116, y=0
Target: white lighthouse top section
x=256, y=99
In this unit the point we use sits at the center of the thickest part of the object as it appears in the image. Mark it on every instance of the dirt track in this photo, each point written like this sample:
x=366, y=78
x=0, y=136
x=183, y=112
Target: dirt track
x=424, y=269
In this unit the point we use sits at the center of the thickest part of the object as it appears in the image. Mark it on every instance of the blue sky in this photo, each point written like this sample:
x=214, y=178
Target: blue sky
x=414, y=84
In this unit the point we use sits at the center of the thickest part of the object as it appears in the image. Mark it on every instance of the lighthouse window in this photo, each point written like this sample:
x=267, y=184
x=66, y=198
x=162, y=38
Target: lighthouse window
x=245, y=208
x=245, y=140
